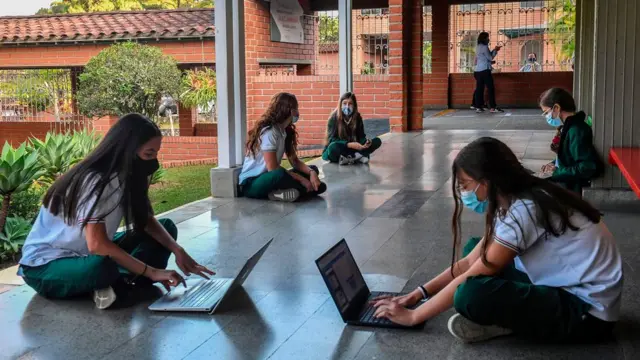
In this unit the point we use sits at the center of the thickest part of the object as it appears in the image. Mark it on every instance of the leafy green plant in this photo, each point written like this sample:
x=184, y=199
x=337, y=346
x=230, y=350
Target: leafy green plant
x=26, y=204
x=157, y=176
x=84, y=143
x=18, y=169
x=14, y=235
x=328, y=29
x=563, y=27
x=56, y=155
x=198, y=88
x=127, y=78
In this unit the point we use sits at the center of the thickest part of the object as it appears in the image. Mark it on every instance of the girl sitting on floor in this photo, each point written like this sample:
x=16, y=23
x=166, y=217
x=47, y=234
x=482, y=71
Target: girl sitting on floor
x=274, y=135
x=346, y=140
x=547, y=267
x=73, y=247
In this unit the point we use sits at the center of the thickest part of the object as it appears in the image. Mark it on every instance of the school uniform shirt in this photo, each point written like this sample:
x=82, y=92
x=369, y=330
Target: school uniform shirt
x=484, y=57
x=51, y=238
x=585, y=263
x=272, y=139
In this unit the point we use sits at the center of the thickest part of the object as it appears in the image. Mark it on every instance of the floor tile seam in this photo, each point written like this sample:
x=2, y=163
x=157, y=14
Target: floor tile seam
x=148, y=328
x=207, y=339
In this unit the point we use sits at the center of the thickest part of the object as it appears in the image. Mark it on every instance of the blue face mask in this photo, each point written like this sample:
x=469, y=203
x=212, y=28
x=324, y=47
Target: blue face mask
x=555, y=122
x=470, y=200
x=347, y=110
x=295, y=119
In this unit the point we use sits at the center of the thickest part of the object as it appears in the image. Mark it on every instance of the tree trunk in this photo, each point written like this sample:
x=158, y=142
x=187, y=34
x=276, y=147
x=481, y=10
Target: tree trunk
x=4, y=211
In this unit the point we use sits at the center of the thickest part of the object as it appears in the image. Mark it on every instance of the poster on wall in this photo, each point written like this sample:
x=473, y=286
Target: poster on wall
x=287, y=21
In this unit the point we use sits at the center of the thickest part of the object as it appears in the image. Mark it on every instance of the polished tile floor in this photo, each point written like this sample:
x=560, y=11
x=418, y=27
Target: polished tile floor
x=395, y=215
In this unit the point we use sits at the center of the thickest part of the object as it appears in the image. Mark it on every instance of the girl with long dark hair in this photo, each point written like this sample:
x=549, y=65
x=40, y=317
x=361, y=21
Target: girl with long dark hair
x=546, y=267
x=274, y=135
x=578, y=161
x=346, y=141
x=482, y=74
x=73, y=247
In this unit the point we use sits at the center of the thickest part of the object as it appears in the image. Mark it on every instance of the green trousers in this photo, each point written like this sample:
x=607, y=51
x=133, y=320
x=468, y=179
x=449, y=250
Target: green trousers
x=511, y=301
x=73, y=276
x=333, y=151
x=259, y=187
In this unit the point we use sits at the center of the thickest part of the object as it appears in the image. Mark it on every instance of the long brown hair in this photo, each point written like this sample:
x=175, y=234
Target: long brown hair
x=343, y=130
x=279, y=111
x=490, y=161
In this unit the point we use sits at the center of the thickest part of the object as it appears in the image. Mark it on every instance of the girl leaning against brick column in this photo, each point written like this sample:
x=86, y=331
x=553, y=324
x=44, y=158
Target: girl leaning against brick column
x=74, y=249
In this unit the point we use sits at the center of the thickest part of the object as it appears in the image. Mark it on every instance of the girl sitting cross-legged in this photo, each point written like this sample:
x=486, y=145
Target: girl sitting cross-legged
x=274, y=135
x=346, y=140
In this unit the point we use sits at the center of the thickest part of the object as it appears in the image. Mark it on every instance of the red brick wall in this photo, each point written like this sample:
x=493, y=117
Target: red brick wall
x=206, y=129
x=512, y=89
x=184, y=52
x=435, y=84
x=318, y=97
x=18, y=132
x=179, y=148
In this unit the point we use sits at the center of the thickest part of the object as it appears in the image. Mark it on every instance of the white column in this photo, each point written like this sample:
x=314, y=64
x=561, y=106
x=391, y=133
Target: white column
x=225, y=84
x=239, y=81
x=344, y=46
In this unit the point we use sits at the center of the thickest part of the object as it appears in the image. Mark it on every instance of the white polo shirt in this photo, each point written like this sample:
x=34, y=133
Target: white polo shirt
x=52, y=238
x=585, y=263
x=272, y=139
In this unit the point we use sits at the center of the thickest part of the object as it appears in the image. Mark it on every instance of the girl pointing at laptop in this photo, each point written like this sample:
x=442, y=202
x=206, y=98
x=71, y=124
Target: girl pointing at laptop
x=73, y=247
x=546, y=268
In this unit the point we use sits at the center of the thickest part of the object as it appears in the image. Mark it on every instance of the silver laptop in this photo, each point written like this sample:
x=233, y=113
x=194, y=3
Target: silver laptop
x=203, y=295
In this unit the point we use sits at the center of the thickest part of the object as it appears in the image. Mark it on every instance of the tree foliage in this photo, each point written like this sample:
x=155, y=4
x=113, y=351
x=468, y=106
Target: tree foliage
x=563, y=29
x=126, y=78
x=80, y=6
x=328, y=29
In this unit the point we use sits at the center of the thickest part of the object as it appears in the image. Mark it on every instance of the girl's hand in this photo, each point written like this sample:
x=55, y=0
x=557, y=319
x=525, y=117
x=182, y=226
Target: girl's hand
x=189, y=266
x=307, y=184
x=167, y=278
x=548, y=168
x=315, y=180
x=396, y=313
x=407, y=300
x=367, y=144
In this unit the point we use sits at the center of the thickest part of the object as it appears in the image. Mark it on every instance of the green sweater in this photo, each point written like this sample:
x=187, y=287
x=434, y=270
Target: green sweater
x=332, y=131
x=578, y=160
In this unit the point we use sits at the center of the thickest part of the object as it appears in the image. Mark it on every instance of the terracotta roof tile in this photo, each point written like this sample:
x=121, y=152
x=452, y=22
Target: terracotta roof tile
x=107, y=26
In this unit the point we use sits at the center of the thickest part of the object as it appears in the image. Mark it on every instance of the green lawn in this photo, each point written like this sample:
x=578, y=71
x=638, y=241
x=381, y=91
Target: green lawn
x=186, y=184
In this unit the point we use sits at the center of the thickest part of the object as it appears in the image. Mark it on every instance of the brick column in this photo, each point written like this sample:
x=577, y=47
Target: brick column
x=405, y=65
x=187, y=120
x=398, y=68
x=437, y=83
x=417, y=34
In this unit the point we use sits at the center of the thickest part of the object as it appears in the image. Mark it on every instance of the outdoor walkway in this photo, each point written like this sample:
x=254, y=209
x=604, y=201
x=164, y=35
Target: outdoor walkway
x=395, y=216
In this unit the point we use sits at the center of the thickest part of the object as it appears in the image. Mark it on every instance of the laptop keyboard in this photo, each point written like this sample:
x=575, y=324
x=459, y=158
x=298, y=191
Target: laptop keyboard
x=199, y=297
x=367, y=314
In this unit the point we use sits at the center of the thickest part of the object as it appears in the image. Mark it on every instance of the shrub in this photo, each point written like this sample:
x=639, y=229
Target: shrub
x=26, y=204
x=13, y=237
x=158, y=175
x=127, y=78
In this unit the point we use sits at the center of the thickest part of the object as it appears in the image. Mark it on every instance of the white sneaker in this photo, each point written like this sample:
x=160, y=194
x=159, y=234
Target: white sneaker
x=286, y=195
x=469, y=332
x=103, y=298
x=364, y=160
x=346, y=160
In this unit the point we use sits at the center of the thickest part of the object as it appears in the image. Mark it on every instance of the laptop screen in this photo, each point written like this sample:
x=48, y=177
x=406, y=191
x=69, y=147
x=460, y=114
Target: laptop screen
x=342, y=275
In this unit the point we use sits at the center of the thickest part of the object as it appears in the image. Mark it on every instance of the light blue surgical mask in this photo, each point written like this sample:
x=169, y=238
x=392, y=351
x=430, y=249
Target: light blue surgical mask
x=295, y=119
x=470, y=200
x=347, y=110
x=555, y=122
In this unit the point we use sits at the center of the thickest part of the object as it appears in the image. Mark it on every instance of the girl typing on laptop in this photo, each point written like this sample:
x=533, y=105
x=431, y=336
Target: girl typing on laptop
x=547, y=267
x=73, y=247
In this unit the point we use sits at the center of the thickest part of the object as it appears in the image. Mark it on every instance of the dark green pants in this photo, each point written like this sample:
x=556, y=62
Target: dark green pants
x=259, y=187
x=68, y=277
x=510, y=300
x=333, y=151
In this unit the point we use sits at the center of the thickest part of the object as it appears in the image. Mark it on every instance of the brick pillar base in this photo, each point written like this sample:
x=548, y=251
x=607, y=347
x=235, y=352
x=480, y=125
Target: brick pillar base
x=187, y=120
x=436, y=89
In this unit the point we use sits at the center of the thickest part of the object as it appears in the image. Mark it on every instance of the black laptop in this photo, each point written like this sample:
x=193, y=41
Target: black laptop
x=349, y=290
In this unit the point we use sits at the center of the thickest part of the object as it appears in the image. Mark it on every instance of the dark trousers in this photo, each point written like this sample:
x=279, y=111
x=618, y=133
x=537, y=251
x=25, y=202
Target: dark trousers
x=333, y=151
x=73, y=276
x=511, y=301
x=484, y=78
x=260, y=186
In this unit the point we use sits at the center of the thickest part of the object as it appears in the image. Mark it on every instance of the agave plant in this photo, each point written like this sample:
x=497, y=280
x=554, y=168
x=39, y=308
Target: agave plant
x=14, y=235
x=18, y=169
x=84, y=143
x=56, y=155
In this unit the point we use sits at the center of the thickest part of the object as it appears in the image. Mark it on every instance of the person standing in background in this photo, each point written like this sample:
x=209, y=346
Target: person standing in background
x=482, y=74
